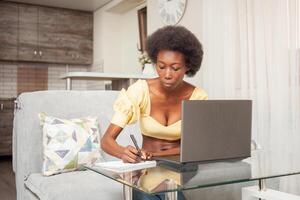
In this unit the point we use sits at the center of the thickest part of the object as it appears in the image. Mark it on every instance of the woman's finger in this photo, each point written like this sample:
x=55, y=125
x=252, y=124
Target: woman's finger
x=132, y=149
x=149, y=157
x=127, y=159
x=144, y=155
x=130, y=154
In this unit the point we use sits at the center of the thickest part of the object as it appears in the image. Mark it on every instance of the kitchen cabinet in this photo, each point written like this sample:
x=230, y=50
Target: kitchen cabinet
x=47, y=37
x=8, y=31
x=28, y=33
x=6, y=125
x=45, y=34
x=37, y=37
x=75, y=37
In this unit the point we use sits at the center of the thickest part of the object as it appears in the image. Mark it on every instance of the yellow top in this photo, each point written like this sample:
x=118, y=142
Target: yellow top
x=134, y=104
x=154, y=177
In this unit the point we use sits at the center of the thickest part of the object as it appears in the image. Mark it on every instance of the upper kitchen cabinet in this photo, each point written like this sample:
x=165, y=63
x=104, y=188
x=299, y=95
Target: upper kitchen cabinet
x=37, y=37
x=55, y=35
x=75, y=37
x=28, y=33
x=47, y=37
x=8, y=31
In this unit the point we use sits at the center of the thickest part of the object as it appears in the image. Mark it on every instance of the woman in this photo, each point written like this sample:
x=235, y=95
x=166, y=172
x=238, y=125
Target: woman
x=156, y=103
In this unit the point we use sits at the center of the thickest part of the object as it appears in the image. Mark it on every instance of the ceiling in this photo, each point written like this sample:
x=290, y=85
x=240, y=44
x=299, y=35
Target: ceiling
x=87, y=5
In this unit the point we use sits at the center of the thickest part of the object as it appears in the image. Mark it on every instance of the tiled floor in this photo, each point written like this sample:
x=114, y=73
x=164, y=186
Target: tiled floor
x=7, y=179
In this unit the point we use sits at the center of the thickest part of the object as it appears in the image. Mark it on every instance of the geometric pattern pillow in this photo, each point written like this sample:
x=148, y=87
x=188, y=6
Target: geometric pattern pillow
x=69, y=144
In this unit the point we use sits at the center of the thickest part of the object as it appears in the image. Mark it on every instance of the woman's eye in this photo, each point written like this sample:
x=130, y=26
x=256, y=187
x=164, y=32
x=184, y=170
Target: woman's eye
x=176, y=68
x=161, y=67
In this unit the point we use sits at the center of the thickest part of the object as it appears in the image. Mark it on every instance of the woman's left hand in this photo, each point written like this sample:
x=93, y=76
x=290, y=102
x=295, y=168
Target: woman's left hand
x=146, y=155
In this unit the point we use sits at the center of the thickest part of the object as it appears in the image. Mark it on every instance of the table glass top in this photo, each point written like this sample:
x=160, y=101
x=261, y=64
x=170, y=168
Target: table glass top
x=160, y=179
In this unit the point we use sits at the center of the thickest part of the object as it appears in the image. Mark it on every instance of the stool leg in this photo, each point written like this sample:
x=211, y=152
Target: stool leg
x=261, y=192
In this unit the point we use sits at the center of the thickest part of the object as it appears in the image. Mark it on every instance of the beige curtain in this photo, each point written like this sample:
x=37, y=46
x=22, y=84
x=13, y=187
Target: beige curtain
x=252, y=51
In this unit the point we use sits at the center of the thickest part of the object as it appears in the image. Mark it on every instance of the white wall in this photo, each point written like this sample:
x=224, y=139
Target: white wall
x=106, y=40
x=191, y=19
x=116, y=35
x=130, y=39
x=115, y=39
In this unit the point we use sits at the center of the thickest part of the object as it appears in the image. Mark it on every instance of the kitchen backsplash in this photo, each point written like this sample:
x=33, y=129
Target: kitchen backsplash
x=9, y=78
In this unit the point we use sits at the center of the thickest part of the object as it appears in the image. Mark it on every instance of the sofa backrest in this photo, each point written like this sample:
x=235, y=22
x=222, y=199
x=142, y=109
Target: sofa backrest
x=27, y=142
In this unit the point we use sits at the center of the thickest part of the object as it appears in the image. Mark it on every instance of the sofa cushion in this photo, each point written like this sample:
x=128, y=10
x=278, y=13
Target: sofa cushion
x=69, y=144
x=78, y=185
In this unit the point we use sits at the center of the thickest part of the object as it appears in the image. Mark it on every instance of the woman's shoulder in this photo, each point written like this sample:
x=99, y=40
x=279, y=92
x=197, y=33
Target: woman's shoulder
x=151, y=81
x=139, y=85
x=198, y=93
x=152, y=84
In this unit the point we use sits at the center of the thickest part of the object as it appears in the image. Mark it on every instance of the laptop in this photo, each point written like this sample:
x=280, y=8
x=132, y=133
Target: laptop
x=213, y=130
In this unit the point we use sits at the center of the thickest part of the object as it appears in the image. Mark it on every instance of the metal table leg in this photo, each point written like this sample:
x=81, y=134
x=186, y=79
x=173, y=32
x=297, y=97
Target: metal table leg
x=171, y=185
x=262, y=185
x=127, y=192
x=69, y=84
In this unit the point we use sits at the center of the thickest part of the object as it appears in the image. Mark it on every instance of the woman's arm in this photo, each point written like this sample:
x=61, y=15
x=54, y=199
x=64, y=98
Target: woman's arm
x=110, y=146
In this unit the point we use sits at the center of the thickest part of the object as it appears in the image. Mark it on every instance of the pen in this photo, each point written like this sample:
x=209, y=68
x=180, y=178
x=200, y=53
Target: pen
x=135, y=144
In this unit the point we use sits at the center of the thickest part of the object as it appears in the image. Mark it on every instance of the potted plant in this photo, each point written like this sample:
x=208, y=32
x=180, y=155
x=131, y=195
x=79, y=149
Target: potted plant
x=144, y=59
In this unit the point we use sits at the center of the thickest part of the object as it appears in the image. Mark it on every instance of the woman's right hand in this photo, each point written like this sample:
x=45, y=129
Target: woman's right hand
x=130, y=155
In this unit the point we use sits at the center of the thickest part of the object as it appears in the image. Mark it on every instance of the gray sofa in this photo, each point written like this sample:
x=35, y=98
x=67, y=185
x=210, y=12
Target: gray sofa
x=27, y=145
x=27, y=149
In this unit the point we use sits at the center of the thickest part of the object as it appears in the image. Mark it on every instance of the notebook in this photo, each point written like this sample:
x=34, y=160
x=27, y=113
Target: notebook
x=119, y=166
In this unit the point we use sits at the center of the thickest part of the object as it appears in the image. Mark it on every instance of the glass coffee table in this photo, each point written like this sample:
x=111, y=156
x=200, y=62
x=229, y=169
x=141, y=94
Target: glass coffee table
x=262, y=165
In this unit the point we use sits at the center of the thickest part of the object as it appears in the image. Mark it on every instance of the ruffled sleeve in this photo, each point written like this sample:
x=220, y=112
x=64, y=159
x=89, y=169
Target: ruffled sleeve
x=199, y=94
x=128, y=105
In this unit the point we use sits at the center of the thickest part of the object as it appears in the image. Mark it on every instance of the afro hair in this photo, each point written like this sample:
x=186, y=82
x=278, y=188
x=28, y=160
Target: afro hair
x=176, y=38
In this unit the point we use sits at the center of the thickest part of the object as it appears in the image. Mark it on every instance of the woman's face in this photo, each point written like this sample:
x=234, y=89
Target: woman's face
x=170, y=68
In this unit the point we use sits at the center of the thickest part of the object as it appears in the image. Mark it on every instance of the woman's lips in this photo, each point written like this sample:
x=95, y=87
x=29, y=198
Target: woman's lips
x=168, y=84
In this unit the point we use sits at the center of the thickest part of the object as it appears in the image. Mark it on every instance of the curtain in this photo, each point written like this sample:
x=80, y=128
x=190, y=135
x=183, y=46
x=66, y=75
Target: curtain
x=251, y=51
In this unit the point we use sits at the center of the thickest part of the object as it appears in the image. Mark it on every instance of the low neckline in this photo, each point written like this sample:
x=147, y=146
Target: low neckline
x=162, y=124
x=149, y=100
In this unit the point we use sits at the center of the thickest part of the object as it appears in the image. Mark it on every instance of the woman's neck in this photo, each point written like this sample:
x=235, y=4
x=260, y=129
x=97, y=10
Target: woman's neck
x=171, y=92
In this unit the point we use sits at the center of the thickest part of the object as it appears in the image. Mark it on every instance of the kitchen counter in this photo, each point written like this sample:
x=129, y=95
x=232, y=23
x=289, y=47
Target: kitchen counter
x=119, y=80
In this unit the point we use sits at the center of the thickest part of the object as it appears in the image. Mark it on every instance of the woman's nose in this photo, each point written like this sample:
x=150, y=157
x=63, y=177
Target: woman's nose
x=168, y=74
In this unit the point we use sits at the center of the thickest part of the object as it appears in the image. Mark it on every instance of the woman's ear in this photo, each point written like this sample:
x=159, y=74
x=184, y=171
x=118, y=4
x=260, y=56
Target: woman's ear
x=187, y=70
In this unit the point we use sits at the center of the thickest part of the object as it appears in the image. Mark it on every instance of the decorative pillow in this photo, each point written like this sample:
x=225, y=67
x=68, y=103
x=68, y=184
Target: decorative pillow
x=69, y=144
